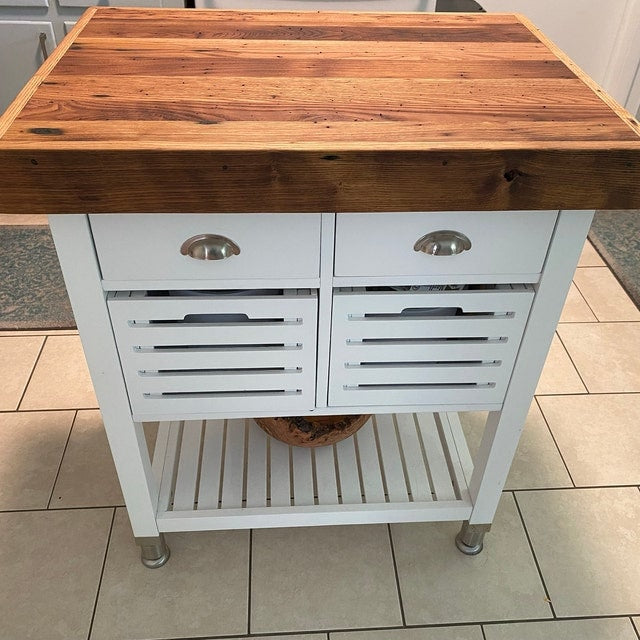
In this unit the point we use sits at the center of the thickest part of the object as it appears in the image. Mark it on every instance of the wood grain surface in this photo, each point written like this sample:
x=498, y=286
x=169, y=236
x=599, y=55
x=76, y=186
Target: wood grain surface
x=156, y=110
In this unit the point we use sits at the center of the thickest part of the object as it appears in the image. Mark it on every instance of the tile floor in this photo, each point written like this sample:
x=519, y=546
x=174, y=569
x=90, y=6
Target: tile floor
x=561, y=563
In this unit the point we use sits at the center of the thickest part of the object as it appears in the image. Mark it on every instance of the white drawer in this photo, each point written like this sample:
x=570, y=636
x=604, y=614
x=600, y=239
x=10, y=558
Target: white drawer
x=502, y=242
x=146, y=247
x=416, y=347
x=216, y=353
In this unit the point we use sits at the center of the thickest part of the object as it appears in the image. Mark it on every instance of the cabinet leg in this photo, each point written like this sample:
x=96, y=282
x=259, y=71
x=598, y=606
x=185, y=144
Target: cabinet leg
x=154, y=551
x=471, y=537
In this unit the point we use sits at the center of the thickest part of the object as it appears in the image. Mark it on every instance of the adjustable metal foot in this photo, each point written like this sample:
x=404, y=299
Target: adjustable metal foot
x=154, y=551
x=471, y=537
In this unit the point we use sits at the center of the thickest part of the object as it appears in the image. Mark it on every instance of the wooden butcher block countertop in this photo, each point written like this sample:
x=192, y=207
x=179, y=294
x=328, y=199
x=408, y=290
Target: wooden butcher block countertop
x=155, y=110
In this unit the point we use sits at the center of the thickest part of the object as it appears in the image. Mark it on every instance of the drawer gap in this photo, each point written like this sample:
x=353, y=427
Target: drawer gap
x=409, y=341
x=204, y=348
x=226, y=372
x=142, y=324
x=421, y=385
x=424, y=364
x=223, y=394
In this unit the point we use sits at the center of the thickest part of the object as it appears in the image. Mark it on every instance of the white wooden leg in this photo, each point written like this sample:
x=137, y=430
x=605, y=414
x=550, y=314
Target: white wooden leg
x=503, y=428
x=74, y=244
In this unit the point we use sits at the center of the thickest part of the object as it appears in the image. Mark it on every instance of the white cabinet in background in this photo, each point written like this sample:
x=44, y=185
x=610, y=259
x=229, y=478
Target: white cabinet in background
x=21, y=55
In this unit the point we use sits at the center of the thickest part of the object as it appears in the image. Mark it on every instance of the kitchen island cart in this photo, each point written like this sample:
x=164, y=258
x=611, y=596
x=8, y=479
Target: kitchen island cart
x=286, y=214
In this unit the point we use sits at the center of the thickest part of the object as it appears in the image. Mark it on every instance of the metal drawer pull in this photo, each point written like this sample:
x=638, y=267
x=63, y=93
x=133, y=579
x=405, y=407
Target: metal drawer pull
x=208, y=246
x=443, y=243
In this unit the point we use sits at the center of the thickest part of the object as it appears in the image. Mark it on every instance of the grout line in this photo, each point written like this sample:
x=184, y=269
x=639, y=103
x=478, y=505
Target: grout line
x=577, y=488
x=35, y=364
x=484, y=635
x=41, y=410
x=395, y=571
x=635, y=627
x=572, y=362
x=64, y=451
x=535, y=559
x=575, y=284
x=564, y=462
x=104, y=563
x=46, y=510
x=436, y=626
x=249, y=581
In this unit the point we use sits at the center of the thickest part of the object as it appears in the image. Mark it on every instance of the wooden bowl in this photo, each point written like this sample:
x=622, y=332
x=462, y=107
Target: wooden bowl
x=312, y=431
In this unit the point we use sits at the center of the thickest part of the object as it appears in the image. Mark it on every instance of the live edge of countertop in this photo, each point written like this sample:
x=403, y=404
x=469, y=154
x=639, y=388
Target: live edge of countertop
x=161, y=110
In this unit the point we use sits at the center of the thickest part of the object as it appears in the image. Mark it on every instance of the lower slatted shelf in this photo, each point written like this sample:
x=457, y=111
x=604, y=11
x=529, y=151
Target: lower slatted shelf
x=228, y=474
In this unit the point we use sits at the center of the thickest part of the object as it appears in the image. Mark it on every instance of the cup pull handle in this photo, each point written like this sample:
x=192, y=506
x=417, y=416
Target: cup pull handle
x=208, y=246
x=443, y=243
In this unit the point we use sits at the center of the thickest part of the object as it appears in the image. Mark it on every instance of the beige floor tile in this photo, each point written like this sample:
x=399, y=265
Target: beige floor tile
x=23, y=219
x=313, y=578
x=61, y=378
x=17, y=357
x=598, y=629
x=575, y=308
x=590, y=257
x=31, y=447
x=87, y=475
x=586, y=543
x=537, y=463
x=440, y=585
x=598, y=436
x=603, y=293
x=201, y=591
x=559, y=375
x=51, y=563
x=434, y=633
x=606, y=354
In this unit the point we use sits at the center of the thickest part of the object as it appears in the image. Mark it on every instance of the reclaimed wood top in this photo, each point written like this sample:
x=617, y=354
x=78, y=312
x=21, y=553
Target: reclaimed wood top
x=157, y=110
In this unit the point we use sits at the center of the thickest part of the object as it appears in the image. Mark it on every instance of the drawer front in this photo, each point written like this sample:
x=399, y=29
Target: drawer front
x=425, y=347
x=502, y=242
x=148, y=246
x=213, y=354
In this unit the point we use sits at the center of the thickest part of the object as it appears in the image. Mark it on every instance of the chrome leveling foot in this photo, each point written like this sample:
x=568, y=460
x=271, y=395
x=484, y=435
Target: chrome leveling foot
x=471, y=537
x=154, y=551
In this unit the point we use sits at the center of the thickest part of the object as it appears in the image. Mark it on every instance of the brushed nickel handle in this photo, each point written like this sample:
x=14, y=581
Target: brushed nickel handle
x=443, y=243
x=208, y=246
x=42, y=37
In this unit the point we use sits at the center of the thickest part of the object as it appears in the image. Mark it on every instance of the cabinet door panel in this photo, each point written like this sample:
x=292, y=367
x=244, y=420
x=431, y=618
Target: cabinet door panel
x=121, y=3
x=20, y=55
x=318, y=5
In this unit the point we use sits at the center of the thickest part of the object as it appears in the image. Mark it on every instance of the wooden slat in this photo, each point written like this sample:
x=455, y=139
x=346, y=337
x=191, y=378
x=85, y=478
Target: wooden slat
x=279, y=470
x=233, y=464
x=350, y=491
x=326, y=475
x=185, y=492
x=302, y=476
x=209, y=490
x=413, y=458
x=161, y=110
x=370, y=464
x=435, y=456
x=391, y=460
x=256, y=467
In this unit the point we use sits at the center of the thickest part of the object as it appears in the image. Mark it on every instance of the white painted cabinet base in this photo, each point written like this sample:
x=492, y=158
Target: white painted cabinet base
x=417, y=354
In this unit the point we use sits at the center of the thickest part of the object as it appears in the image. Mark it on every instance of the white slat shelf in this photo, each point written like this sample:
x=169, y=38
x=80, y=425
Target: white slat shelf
x=228, y=474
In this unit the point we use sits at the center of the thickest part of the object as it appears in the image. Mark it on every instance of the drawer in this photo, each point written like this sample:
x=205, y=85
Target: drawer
x=502, y=242
x=147, y=247
x=208, y=354
x=421, y=347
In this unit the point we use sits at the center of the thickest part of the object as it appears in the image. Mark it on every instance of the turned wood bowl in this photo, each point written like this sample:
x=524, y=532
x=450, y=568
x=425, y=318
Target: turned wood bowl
x=312, y=431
